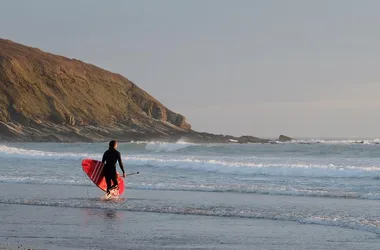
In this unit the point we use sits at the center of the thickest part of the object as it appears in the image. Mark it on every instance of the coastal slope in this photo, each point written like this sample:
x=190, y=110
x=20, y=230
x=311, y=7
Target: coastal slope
x=46, y=97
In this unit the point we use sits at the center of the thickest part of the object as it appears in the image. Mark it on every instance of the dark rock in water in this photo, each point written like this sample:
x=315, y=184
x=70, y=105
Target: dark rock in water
x=251, y=139
x=284, y=138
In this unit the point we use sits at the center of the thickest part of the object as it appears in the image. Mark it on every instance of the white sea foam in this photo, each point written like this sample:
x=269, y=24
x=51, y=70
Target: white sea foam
x=256, y=189
x=232, y=165
x=200, y=187
x=56, y=180
x=338, y=142
x=257, y=168
x=167, y=147
x=6, y=151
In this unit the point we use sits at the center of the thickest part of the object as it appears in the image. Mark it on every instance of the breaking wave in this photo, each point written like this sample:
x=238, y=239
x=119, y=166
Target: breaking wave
x=233, y=165
x=167, y=147
x=337, y=142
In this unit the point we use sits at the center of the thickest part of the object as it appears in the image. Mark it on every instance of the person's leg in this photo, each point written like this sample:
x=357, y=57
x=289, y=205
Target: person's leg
x=114, y=181
x=108, y=181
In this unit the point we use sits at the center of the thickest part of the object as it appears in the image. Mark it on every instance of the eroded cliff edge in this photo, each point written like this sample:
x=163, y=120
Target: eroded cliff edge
x=46, y=97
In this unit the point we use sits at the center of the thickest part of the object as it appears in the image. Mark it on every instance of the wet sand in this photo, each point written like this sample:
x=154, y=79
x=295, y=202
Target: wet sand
x=53, y=226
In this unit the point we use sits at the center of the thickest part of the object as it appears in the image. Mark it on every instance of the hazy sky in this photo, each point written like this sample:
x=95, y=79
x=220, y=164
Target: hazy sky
x=305, y=68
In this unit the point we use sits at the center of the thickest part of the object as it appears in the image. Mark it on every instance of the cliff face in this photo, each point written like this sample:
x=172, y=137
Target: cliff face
x=49, y=97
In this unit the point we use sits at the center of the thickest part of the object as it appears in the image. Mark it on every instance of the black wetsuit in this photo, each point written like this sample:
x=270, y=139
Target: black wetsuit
x=110, y=157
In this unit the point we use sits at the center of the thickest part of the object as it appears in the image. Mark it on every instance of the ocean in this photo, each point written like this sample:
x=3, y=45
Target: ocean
x=185, y=193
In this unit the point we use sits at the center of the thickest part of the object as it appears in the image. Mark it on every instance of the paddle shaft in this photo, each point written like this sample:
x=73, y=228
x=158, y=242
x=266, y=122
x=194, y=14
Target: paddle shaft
x=131, y=174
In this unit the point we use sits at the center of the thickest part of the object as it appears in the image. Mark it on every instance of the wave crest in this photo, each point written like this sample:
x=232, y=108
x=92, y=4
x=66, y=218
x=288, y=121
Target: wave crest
x=167, y=147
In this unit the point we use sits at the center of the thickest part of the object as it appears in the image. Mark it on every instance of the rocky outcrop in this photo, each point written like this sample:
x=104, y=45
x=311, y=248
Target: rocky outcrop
x=284, y=138
x=156, y=110
x=250, y=139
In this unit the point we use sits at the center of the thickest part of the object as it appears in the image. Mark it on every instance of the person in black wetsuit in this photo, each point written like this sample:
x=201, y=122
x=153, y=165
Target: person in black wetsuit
x=110, y=157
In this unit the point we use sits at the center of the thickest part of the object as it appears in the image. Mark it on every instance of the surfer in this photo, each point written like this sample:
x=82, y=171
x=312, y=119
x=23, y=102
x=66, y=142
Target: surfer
x=110, y=157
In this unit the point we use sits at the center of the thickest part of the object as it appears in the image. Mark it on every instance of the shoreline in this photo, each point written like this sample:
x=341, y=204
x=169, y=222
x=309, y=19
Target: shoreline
x=84, y=228
x=94, y=136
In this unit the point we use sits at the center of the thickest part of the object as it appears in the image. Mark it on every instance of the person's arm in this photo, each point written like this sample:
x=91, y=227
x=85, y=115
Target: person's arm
x=121, y=163
x=104, y=157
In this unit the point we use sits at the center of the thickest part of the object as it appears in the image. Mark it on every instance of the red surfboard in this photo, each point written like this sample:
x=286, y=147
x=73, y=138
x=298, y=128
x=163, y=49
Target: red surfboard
x=94, y=170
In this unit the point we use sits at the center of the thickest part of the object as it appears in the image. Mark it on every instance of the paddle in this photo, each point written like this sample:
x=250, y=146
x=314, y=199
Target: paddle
x=131, y=174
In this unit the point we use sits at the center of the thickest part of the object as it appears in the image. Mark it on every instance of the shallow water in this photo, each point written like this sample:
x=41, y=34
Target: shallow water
x=329, y=183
